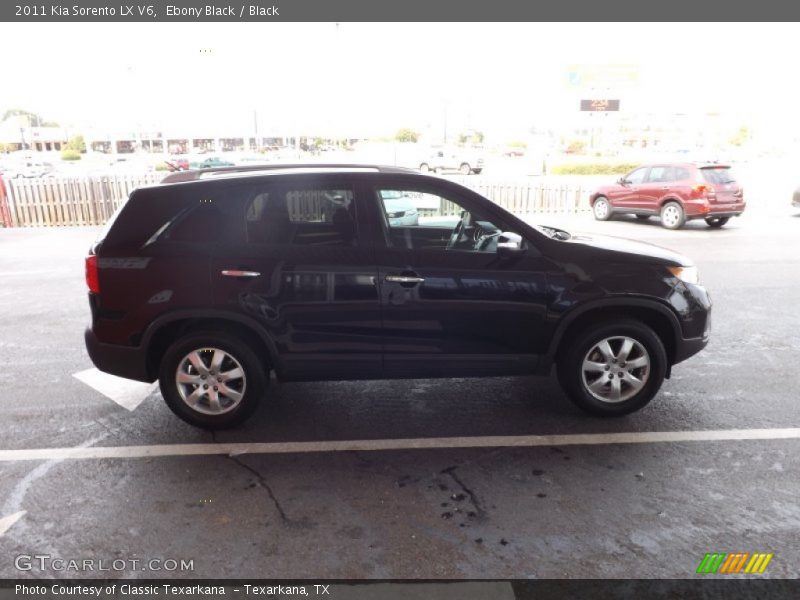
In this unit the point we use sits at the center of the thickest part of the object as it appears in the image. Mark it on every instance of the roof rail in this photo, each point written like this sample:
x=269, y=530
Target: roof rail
x=195, y=174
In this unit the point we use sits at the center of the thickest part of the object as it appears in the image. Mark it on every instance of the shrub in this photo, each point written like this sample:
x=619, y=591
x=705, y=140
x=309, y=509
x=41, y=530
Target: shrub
x=77, y=144
x=69, y=154
x=406, y=135
x=593, y=168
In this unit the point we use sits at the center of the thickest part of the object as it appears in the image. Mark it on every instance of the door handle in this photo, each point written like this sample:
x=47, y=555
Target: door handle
x=238, y=273
x=403, y=279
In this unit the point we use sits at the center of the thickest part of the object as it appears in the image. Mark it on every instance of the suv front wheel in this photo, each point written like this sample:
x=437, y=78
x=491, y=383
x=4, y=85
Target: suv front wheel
x=601, y=209
x=613, y=368
x=211, y=379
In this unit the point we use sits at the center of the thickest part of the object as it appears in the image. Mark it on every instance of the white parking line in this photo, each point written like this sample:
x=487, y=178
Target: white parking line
x=128, y=394
x=7, y=522
x=581, y=439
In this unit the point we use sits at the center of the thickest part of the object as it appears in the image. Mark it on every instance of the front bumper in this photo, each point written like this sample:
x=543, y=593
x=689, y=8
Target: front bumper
x=123, y=361
x=688, y=347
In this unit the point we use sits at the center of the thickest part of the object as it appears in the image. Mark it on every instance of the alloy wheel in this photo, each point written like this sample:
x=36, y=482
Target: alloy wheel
x=615, y=369
x=210, y=381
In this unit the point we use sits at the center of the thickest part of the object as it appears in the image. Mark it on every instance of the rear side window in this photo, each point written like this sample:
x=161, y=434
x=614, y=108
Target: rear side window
x=312, y=216
x=661, y=174
x=681, y=174
x=718, y=175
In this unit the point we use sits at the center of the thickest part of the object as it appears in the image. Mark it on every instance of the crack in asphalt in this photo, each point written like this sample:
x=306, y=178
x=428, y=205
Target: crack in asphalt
x=451, y=471
x=262, y=482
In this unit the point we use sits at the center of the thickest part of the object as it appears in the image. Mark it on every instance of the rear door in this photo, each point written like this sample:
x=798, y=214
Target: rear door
x=451, y=305
x=657, y=184
x=301, y=267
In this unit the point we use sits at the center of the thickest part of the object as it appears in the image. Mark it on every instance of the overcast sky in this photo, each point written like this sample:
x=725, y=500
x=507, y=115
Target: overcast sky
x=367, y=78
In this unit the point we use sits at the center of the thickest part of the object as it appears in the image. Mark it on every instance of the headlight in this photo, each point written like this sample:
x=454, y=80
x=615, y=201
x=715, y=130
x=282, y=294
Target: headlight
x=687, y=274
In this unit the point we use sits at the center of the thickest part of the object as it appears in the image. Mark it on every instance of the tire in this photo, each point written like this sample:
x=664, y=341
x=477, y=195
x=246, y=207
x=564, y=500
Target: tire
x=601, y=208
x=646, y=348
x=465, y=169
x=716, y=222
x=643, y=217
x=424, y=168
x=672, y=215
x=238, y=355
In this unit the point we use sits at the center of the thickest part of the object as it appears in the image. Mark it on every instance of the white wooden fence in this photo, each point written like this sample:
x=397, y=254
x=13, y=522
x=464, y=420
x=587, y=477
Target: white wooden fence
x=60, y=201
x=65, y=201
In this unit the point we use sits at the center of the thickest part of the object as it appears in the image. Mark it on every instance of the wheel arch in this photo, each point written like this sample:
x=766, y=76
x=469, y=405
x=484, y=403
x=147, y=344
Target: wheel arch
x=659, y=317
x=596, y=196
x=164, y=330
x=670, y=198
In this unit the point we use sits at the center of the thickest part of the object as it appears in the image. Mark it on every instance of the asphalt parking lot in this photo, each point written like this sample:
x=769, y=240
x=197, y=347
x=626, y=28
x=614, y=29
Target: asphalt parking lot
x=561, y=509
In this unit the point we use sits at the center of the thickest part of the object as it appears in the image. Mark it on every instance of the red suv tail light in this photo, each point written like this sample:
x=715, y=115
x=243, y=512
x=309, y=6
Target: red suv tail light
x=703, y=190
x=92, y=280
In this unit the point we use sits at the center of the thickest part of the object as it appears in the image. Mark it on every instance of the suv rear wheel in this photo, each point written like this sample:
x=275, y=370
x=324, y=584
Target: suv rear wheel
x=211, y=379
x=672, y=215
x=601, y=209
x=716, y=222
x=424, y=168
x=613, y=368
x=465, y=169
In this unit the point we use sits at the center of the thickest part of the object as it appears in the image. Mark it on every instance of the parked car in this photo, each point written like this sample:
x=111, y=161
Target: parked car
x=210, y=162
x=28, y=168
x=675, y=192
x=210, y=284
x=177, y=163
x=463, y=160
x=796, y=198
x=400, y=209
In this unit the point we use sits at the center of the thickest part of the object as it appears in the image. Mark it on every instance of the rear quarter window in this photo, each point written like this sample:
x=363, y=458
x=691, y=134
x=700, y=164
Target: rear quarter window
x=181, y=212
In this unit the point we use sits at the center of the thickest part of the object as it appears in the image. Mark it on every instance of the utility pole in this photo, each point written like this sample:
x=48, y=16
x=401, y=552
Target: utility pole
x=255, y=130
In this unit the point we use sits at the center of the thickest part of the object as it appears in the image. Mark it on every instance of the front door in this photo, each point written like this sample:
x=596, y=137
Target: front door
x=301, y=268
x=626, y=195
x=451, y=303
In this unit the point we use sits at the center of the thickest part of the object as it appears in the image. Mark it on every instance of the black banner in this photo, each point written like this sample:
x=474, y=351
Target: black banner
x=545, y=589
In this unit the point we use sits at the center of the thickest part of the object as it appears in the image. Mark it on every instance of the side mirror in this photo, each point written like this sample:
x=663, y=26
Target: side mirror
x=623, y=181
x=509, y=243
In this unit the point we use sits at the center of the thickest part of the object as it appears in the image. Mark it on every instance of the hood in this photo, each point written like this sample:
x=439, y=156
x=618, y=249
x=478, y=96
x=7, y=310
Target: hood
x=646, y=252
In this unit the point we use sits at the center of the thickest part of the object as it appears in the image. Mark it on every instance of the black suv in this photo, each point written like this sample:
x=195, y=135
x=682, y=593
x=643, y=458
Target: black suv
x=210, y=283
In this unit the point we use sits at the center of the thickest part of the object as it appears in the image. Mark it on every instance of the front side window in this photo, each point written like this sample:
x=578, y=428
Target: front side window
x=637, y=176
x=423, y=220
x=302, y=217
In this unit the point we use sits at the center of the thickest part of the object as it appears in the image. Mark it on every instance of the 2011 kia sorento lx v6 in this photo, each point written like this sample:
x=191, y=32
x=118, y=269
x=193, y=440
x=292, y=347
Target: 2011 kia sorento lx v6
x=210, y=283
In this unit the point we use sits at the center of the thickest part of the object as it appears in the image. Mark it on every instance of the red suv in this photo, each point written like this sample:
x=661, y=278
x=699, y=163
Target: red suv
x=676, y=192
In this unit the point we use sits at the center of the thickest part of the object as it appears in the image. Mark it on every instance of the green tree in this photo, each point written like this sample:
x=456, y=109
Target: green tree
x=741, y=136
x=471, y=137
x=406, y=135
x=34, y=120
x=77, y=144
